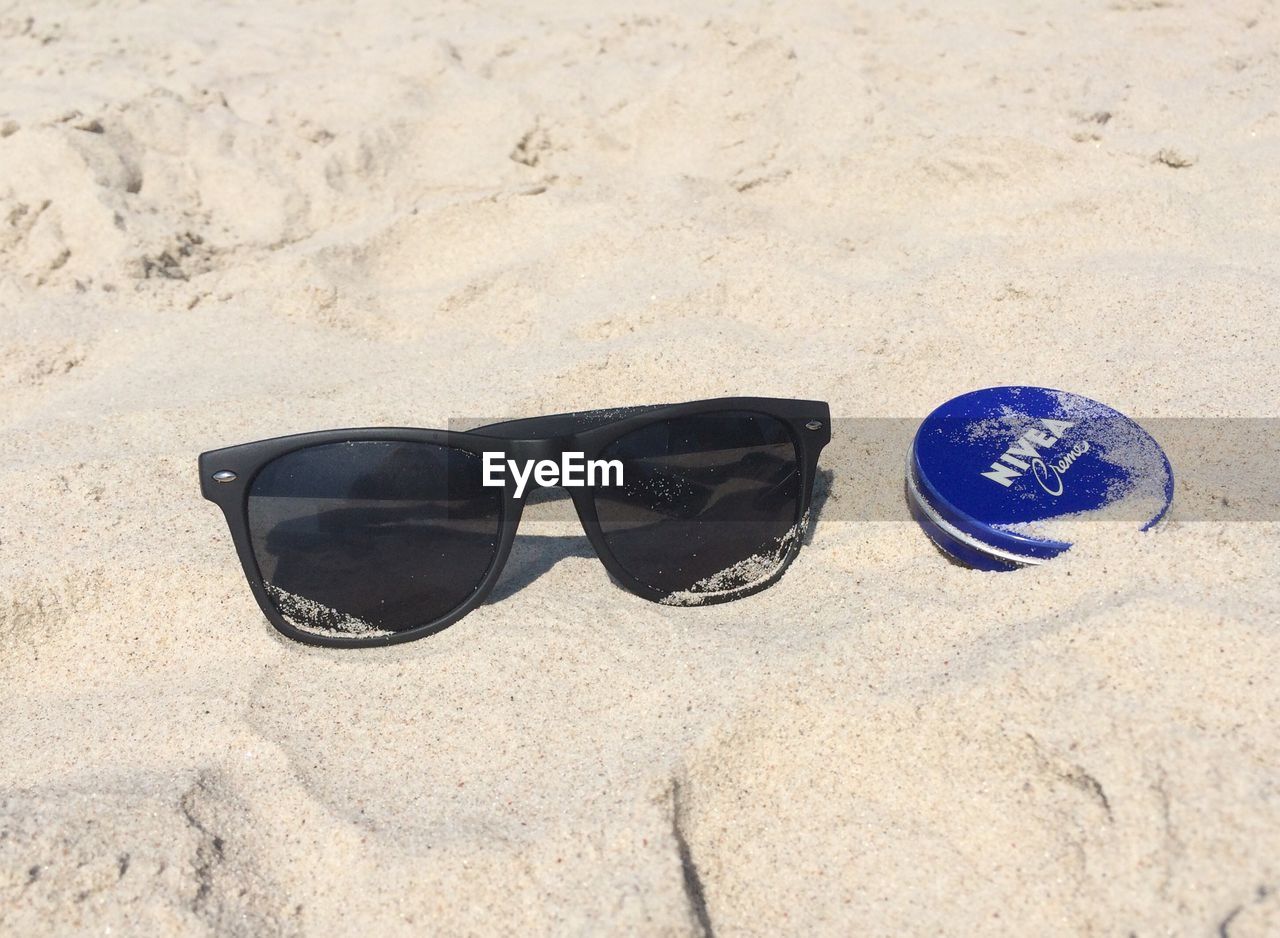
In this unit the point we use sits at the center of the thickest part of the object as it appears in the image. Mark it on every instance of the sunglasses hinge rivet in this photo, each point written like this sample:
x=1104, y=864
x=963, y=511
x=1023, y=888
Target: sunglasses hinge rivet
x=224, y=475
x=813, y=425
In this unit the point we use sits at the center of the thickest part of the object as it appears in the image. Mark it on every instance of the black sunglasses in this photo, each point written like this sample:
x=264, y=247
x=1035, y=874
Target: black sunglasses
x=370, y=537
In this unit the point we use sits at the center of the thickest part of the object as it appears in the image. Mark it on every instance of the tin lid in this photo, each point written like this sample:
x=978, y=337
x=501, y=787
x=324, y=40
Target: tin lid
x=999, y=477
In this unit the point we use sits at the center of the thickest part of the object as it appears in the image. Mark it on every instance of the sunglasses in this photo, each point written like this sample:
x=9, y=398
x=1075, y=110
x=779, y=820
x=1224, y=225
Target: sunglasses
x=369, y=537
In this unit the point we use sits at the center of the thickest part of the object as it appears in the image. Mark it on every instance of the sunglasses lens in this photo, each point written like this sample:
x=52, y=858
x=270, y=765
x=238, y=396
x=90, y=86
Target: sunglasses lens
x=709, y=505
x=367, y=538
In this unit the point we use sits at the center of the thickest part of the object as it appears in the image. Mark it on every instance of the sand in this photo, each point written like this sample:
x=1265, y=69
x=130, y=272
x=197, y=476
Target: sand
x=223, y=223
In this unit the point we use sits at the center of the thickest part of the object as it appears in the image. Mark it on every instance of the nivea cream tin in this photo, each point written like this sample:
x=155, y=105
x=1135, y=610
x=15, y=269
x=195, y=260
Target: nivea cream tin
x=998, y=477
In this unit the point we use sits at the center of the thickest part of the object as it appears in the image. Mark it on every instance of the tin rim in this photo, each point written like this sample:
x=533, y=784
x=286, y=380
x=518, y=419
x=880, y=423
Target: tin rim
x=936, y=518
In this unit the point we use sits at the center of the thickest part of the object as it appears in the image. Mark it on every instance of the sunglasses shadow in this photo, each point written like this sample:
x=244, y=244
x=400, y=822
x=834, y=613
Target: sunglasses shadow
x=532, y=555
x=821, y=490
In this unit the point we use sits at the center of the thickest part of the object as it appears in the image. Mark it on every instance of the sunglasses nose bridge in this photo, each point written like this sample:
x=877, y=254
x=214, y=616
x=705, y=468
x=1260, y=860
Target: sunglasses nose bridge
x=527, y=453
x=536, y=449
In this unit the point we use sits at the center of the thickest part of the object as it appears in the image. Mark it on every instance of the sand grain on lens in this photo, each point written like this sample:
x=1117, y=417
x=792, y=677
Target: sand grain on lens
x=740, y=575
x=314, y=616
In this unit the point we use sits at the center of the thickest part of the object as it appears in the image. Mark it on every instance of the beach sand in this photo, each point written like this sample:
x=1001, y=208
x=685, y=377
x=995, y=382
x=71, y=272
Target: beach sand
x=224, y=223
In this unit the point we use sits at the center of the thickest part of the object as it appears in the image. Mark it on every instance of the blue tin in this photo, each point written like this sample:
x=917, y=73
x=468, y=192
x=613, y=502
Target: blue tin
x=999, y=478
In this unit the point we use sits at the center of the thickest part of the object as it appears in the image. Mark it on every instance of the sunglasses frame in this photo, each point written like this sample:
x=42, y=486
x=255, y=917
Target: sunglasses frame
x=534, y=438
